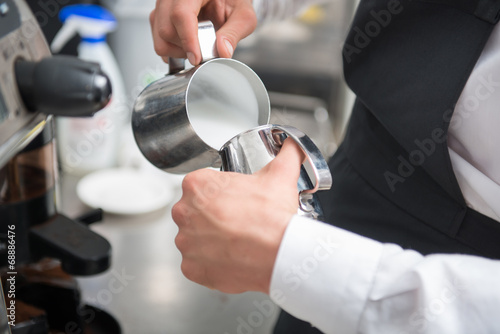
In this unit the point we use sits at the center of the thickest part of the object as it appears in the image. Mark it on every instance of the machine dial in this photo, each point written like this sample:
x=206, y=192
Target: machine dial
x=63, y=86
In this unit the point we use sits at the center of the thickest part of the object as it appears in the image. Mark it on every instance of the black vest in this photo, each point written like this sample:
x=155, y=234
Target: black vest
x=407, y=61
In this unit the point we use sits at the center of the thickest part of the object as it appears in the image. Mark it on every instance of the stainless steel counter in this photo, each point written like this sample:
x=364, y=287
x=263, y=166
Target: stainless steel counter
x=145, y=289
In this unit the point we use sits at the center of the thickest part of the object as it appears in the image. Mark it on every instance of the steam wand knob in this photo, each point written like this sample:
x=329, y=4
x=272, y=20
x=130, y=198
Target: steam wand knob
x=63, y=86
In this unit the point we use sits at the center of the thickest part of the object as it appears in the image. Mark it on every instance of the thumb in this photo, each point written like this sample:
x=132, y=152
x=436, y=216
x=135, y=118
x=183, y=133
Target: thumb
x=285, y=167
x=240, y=23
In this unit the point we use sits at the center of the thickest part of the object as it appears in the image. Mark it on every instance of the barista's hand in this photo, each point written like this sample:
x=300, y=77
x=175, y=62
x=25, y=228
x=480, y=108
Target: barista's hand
x=174, y=25
x=231, y=225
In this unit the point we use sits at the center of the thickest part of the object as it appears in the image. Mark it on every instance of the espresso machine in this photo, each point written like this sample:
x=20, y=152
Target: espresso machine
x=40, y=249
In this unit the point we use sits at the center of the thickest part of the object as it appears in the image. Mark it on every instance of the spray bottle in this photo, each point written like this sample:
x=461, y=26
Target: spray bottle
x=90, y=144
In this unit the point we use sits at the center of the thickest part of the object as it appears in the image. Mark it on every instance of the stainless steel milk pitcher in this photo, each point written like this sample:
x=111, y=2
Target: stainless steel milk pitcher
x=170, y=116
x=250, y=151
x=216, y=114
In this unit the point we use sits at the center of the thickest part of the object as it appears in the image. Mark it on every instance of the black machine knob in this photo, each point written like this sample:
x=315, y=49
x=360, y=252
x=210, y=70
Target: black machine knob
x=81, y=251
x=63, y=86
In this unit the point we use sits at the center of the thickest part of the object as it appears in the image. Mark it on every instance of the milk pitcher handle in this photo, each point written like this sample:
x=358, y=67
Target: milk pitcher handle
x=208, y=47
x=315, y=165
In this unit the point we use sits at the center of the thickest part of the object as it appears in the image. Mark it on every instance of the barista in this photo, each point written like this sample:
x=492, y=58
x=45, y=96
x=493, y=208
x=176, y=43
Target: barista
x=418, y=168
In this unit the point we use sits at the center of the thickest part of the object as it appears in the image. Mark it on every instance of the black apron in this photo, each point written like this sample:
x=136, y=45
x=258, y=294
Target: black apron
x=407, y=62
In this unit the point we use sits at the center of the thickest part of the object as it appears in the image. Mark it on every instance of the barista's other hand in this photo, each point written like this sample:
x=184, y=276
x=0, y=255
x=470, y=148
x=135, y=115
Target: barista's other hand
x=231, y=225
x=174, y=25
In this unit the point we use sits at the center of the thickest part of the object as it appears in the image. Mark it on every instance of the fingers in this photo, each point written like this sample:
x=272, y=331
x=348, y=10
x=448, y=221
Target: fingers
x=285, y=168
x=239, y=24
x=193, y=271
x=186, y=27
x=174, y=26
x=222, y=215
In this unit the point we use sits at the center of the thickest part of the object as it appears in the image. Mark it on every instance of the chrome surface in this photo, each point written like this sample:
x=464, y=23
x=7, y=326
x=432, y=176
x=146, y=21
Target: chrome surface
x=250, y=151
x=207, y=39
x=160, y=119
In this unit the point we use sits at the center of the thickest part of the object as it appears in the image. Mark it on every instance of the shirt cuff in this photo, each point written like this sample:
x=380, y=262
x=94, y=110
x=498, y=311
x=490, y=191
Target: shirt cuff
x=324, y=274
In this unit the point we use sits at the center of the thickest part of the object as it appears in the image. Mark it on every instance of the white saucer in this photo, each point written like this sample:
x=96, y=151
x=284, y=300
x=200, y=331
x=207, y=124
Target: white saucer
x=124, y=191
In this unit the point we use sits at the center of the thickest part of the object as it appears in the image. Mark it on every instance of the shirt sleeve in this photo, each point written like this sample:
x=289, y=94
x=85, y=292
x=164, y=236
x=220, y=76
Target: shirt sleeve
x=341, y=282
x=275, y=10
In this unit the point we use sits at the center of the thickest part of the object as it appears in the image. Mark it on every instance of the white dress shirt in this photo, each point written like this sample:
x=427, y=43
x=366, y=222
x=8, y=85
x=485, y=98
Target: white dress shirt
x=344, y=283
x=474, y=133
